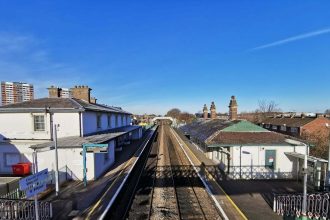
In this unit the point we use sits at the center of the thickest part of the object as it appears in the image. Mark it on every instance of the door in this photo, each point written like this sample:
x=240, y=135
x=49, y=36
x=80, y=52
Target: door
x=270, y=158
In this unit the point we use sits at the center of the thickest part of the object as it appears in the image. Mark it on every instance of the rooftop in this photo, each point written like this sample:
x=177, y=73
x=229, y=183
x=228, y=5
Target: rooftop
x=59, y=104
x=233, y=133
x=289, y=122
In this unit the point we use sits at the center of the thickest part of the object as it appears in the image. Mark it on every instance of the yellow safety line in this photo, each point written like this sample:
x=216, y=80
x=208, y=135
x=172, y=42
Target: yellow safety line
x=228, y=197
x=99, y=201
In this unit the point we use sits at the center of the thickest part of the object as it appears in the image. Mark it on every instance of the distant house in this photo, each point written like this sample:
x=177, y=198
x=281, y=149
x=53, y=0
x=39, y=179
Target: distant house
x=27, y=127
x=296, y=126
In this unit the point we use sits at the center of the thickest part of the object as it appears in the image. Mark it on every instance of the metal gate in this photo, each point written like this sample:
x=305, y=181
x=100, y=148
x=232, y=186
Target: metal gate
x=291, y=205
x=19, y=209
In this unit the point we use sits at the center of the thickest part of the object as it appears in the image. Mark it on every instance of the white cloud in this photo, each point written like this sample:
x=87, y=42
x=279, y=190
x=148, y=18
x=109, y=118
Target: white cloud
x=293, y=38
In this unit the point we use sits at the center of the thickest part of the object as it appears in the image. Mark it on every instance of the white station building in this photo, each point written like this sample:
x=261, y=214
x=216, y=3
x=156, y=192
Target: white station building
x=27, y=127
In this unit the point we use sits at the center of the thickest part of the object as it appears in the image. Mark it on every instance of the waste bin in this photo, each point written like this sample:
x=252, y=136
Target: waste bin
x=21, y=168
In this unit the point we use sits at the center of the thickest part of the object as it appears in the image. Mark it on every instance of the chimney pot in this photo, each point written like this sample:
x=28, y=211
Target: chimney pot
x=233, y=108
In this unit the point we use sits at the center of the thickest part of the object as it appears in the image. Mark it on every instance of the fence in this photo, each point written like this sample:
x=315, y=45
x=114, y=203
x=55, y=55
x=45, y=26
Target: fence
x=24, y=209
x=65, y=174
x=257, y=172
x=291, y=205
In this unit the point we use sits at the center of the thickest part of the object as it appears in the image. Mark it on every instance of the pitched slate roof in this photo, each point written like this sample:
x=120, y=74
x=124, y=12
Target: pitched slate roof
x=203, y=129
x=248, y=138
x=289, y=122
x=232, y=133
x=59, y=104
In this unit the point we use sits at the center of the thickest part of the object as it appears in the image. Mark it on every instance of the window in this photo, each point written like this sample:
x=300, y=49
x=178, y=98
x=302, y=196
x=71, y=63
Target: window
x=294, y=130
x=283, y=128
x=122, y=120
x=109, y=121
x=98, y=121
x=12, y=158
x=116, y=121
x=274, y=127
x=39, y=122
x=267, y=126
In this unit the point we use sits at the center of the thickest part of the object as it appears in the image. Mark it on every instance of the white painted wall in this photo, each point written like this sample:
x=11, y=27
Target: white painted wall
x=21, y=125
x=67, y=157
x=11, y=154
x=257, y=156
x=103, y=161
x=96, y=163
x=90, y=121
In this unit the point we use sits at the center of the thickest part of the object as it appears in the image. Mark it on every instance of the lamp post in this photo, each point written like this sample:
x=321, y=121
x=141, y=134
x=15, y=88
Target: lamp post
x=57, y=180
x=304, y=204
x=328, y=173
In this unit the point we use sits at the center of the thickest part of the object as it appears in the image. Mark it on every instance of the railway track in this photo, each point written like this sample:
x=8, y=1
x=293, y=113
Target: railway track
x=165, y=186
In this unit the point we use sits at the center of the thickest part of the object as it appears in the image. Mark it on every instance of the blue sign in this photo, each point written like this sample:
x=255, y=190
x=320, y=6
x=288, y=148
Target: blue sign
x=38, y=188
x=34, y=184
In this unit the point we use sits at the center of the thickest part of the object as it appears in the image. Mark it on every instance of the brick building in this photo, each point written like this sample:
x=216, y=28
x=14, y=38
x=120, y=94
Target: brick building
x=297, y=125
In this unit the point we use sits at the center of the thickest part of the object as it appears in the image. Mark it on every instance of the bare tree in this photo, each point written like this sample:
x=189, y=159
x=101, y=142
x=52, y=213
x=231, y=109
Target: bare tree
x=186, y=117
x=174, y=113
x=267, y=106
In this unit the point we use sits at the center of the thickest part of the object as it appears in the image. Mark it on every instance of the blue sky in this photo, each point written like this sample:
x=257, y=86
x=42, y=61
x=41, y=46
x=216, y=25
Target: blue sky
x=150, y=56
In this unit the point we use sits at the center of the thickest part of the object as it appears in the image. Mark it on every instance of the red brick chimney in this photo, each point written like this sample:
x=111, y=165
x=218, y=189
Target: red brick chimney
x=205, y=112
x=232, y=109
x=213, y=111
x=81, y=92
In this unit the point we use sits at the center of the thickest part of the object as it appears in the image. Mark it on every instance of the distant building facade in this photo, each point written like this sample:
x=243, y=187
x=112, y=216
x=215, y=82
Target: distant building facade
x=15, y=92
x=296, y=125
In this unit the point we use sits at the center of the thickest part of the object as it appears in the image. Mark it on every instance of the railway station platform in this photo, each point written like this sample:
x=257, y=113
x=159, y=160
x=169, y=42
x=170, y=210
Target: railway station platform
x=253, y=198
x=78, y=202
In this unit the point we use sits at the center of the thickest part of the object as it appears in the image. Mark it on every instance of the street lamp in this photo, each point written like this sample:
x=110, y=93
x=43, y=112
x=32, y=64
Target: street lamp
x=57, y=179
x=328, y=173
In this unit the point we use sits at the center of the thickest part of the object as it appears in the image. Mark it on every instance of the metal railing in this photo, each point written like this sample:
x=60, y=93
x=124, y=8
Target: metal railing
x=24, y=209
x=291, y=205
x=15, y=194
x=257, y=172
x=65, y=174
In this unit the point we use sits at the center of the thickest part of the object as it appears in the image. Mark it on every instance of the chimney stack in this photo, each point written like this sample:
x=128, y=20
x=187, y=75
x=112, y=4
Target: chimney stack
x=232, y=109
x=205, y=112
x=81, y=92
x=93, y=100
x=54, y=92
x=213, y=111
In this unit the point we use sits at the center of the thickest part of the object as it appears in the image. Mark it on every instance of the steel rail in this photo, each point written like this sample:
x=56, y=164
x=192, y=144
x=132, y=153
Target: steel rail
x=125, y=179
x=173, y=182
x=189, y=180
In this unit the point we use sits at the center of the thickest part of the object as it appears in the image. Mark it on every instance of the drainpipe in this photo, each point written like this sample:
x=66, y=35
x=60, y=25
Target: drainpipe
x=51, y=124
x=81, y=122
x=240, y=162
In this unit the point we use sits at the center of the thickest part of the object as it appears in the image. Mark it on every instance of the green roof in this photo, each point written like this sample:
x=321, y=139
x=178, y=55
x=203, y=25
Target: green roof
x=244, y=126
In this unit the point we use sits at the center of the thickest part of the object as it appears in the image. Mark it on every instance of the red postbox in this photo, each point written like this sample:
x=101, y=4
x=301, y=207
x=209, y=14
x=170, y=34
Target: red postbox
x=21, y=168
